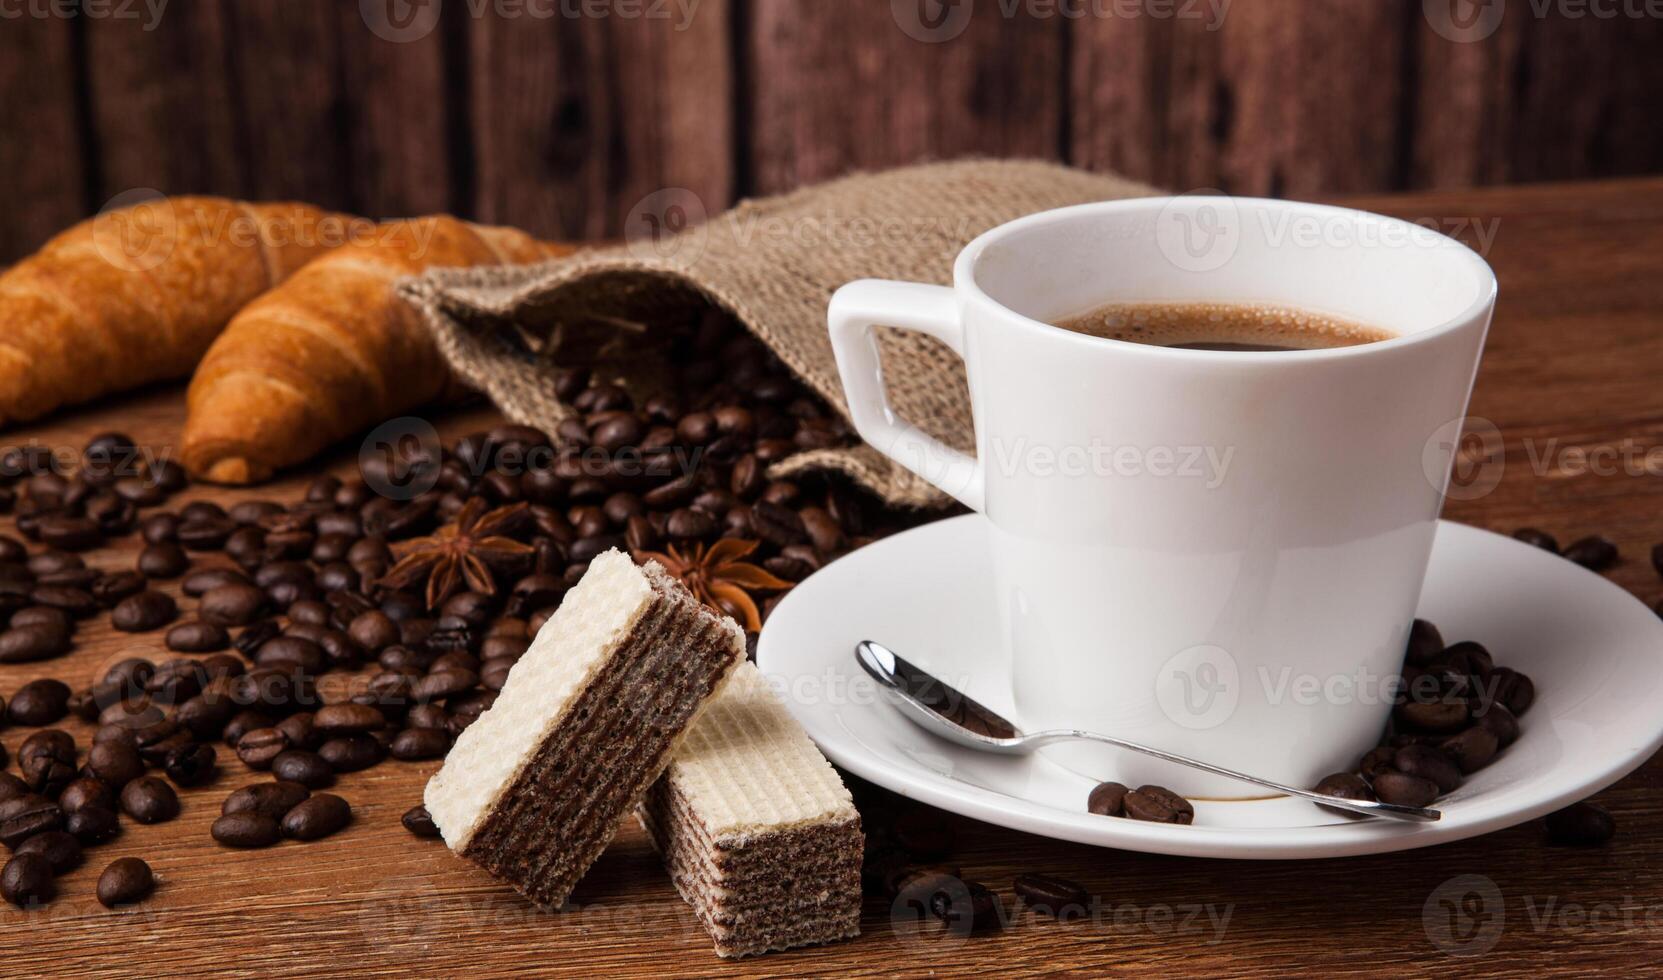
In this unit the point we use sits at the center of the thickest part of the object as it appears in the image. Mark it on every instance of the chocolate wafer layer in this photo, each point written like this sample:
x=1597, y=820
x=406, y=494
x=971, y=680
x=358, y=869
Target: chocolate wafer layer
x=759, y=834
x=588, y=718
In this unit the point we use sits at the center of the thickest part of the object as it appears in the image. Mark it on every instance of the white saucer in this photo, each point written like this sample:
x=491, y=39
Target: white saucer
x=1594, y=651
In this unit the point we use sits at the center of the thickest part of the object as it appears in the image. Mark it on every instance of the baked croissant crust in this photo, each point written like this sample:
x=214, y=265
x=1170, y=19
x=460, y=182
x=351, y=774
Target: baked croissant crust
x=332, y=351
x=136, y=295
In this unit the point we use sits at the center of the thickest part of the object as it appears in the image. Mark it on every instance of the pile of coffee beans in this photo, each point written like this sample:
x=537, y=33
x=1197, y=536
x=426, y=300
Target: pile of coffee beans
x=1156, y=804
x=294, y=653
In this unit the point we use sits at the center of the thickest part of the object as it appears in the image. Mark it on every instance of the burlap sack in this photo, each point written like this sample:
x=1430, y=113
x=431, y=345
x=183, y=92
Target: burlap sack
x=773, y=264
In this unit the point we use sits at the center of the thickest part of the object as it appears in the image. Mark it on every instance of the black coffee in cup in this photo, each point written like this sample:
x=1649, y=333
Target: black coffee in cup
x=1223, y=326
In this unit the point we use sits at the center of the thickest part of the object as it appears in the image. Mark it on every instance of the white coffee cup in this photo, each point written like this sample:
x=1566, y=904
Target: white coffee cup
x=1217, y=553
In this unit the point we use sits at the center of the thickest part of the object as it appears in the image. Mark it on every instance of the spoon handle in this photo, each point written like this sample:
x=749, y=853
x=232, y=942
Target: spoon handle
x=1372, y=808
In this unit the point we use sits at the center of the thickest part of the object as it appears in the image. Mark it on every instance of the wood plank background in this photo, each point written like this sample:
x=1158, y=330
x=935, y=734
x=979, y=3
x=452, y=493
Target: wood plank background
x=560, y=115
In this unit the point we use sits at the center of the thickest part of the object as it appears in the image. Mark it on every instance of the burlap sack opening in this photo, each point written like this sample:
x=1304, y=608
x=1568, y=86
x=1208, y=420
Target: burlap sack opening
x=773, y=265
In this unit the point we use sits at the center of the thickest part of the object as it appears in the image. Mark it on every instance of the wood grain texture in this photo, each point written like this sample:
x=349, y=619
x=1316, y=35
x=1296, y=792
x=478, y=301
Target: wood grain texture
x=576, y=119
x=1574, y=355
x=41, y=154
x=840, y=87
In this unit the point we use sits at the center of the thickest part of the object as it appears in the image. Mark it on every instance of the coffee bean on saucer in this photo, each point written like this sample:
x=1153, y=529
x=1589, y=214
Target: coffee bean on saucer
x=62, y=851
x=1593, y=552
x=1472, y=749
x=144, y=612
x=1158, y=804
x=1055, y=896
x=419, y=822
x=1108, y=799
x=1516, y=691
x=1502, y=723
x=127, y=881
x=27, y=881
x=246, y=829
x=1581, y=825
x=317, y=817
x=1428, y=762
x=306, y=768
x=1403, y=789
x=1346, y=786
x=1425, y=643
x=1537, y=538
x=1443, y=715
x=149, y=800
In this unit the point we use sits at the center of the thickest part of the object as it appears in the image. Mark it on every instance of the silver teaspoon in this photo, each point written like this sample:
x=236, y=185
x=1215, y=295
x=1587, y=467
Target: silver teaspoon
x=943, y=711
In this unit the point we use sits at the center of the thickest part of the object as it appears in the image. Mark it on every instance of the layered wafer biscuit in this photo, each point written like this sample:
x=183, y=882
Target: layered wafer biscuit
x=760, y=835
x=588, y=718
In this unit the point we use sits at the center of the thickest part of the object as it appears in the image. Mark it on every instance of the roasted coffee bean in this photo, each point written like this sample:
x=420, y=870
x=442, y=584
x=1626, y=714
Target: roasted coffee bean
x=1054, y=896
x=22, y=817
x=444, y=684
x=493, y=674
x=163, y=561
x=39, y=703
x=255, y=636
x=317, y=817
x=428, y=716
x=177, y=681
x=1445, y=715
x=115, y=764
x=197, y=637
x=1108, y=799
x=204, y=533
x=246, y=830
x=312, y=612
x=266, y=799
x=1403, y=789
x=52, y=562
x=1593, y=552
x=144, y=612
x=191, y=765
x=374, y=630
x=70, y=533
x=351, y=753
x=42, y=616
x=338, y=719
x=26, y=881
x=302, y=730
x=47, y=761
x=1512, y=689
x=1425, y=643
x=112, y=588
x=1580, y=825
x=62, y=851
x=258, y=748
x=1472, y=749
x=127, y=881
x=1158, y=804
x=971, y=908
x=306, y=768
x=1346, y=786
x=232, y=604
x=93, y=823
x=1428, y=762
x=420, y=823
x=159, y=528
x=202, y=581
x=420, y=743
x=1537, y=538
x=86, y=791
x=149, y=800
x=1501, y=723
x=292, y=653
x=76, y=602
x=11, y=787
x=29, y=643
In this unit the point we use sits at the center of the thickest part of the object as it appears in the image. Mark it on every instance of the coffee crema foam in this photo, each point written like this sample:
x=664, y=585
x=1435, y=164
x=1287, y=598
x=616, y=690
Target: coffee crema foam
x=1223, y=326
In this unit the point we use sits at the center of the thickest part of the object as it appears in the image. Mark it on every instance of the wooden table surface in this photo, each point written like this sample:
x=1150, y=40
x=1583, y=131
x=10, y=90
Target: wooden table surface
x=1571, y=374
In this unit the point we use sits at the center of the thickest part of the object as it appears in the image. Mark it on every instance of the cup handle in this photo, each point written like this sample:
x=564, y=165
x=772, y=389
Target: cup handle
x=855, y=309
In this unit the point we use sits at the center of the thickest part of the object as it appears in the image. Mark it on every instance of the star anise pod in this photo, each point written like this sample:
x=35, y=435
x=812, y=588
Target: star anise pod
x=718, y=577
x=466, y=552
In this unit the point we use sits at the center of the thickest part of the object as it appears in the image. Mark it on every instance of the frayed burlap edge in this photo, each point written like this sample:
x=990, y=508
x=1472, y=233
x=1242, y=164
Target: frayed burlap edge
x=773, y=265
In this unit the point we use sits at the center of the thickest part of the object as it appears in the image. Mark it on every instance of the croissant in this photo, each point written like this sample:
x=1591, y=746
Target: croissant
x=135, y=295
x=332, y=351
